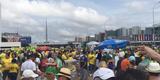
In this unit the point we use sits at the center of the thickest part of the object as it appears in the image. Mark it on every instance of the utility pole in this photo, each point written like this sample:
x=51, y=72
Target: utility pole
x=46, y=32
x=0, y=11
x=153, y=16
x=0, y=30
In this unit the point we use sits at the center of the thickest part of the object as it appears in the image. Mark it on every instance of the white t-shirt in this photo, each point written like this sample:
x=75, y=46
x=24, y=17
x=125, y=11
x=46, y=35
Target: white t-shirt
x=103, y=73
x=29, y=64
x=116, y=58
x=38, y=60
x=121, y=54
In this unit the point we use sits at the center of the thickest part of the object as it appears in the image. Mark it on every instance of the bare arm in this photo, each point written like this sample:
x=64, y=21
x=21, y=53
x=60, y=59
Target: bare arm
x=151, y=53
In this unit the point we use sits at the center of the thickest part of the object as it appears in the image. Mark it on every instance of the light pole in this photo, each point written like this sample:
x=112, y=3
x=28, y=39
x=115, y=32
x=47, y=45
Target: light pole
x=46, y=32
x=0, y=30
x=153, y=16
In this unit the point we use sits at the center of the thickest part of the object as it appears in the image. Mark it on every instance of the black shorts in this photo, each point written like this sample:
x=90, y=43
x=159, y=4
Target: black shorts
x=13, y=76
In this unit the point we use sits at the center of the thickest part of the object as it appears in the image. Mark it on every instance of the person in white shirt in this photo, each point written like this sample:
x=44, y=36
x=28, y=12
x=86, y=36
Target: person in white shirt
x=29, y=75
x=103, y=72
x=29, y=64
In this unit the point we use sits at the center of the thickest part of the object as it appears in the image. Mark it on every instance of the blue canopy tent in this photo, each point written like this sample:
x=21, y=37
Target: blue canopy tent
x=112, y=44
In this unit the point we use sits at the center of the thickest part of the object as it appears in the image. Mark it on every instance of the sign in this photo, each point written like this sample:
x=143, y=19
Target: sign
x=25, y=41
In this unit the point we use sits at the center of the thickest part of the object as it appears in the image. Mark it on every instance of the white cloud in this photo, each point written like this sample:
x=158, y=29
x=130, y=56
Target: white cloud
x=134, y=12
x=61, y=9
x=89, y=15
x=137, y=5
x=31, y=14
x=65, y=33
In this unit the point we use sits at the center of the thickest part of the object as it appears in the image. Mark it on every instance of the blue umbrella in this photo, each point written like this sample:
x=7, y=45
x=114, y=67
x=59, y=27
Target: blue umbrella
x=112, y=44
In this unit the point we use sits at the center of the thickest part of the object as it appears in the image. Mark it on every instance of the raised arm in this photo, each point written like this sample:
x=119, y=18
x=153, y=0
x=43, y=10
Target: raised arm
x=151, y=53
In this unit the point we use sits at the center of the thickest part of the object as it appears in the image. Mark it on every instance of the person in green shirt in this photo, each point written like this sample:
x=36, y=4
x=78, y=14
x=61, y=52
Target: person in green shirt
x=52, y=69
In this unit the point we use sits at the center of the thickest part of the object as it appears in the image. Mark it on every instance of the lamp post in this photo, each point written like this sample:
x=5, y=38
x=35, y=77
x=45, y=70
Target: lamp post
x=0, y=30
x=153, y=16
x=46, y=32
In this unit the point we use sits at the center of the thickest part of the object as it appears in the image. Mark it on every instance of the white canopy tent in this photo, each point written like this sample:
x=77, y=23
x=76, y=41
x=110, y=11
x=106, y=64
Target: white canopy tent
x=92, y=43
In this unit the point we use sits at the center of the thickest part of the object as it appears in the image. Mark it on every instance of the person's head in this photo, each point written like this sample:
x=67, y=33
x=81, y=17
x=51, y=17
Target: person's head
x=50, y=76
x=31, y=56
x=51, y=60
x=14, y=55
x=132, y=59
x=14, y=61
x=134, y=74
x=92, y=52
x=126, y=56
x=102, y=64
x=64, y=74
x=153, y=68
x=7, y=55
x=77, y=66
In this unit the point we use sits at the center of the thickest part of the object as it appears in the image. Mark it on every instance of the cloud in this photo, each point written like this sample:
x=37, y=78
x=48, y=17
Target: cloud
x=89, y=15
x=136, y=5
x=61, y=9
x=65, y=33
x=134, y=13
x=61, y=15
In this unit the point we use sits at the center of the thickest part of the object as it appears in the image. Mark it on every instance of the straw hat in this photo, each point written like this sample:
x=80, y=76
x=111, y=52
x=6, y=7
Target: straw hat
x=65, y=72
x=103, y=64
x=153, y=67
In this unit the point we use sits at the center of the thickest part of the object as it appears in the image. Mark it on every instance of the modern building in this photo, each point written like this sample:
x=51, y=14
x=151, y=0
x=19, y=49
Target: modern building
x=110, y=34
x=149, y=30
x=97, y=37
x=134, y=34
x=135, y=30
x=10, y=37
x=157, y=30
x=9, y=40
x=100, y=37
x=80, y=39
x=90, y=38
x=122, y=32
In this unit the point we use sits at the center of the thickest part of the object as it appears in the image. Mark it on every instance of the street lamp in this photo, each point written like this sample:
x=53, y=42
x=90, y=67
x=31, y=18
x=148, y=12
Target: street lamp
x=153, y=15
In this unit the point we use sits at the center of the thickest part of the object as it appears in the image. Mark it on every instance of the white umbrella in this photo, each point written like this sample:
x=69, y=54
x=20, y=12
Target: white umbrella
x=92, y=43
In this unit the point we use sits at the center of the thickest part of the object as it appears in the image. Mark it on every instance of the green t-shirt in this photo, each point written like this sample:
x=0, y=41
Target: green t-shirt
x=59, y=63
x=51, y=69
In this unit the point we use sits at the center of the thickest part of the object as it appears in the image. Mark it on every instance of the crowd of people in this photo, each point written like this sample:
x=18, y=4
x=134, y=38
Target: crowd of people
x=138, y=63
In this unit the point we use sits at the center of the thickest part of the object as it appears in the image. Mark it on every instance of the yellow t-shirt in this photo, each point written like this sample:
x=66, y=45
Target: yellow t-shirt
x=2, y=55
x=74, y=53
x=70, y=58
x=64, y=57
x=6, y=63
x=14, y=68
x=91, y=58
x=1, y=69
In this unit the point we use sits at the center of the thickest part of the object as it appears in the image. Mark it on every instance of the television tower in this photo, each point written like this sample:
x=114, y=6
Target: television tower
x=46, y=32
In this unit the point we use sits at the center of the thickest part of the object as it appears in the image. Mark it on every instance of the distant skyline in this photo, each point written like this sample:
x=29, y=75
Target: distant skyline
x=70, y=18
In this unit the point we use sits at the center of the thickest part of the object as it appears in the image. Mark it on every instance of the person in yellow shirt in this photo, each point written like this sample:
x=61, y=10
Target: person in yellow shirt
x=64, y=57
x=73, y=52
x=13, y=70
x=70, y=57
x=91, y=61
x=2, y=55
x=5, y=65
x=1, y=72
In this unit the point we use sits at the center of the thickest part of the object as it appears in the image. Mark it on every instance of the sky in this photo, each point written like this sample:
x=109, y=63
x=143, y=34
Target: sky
x=67, y=19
